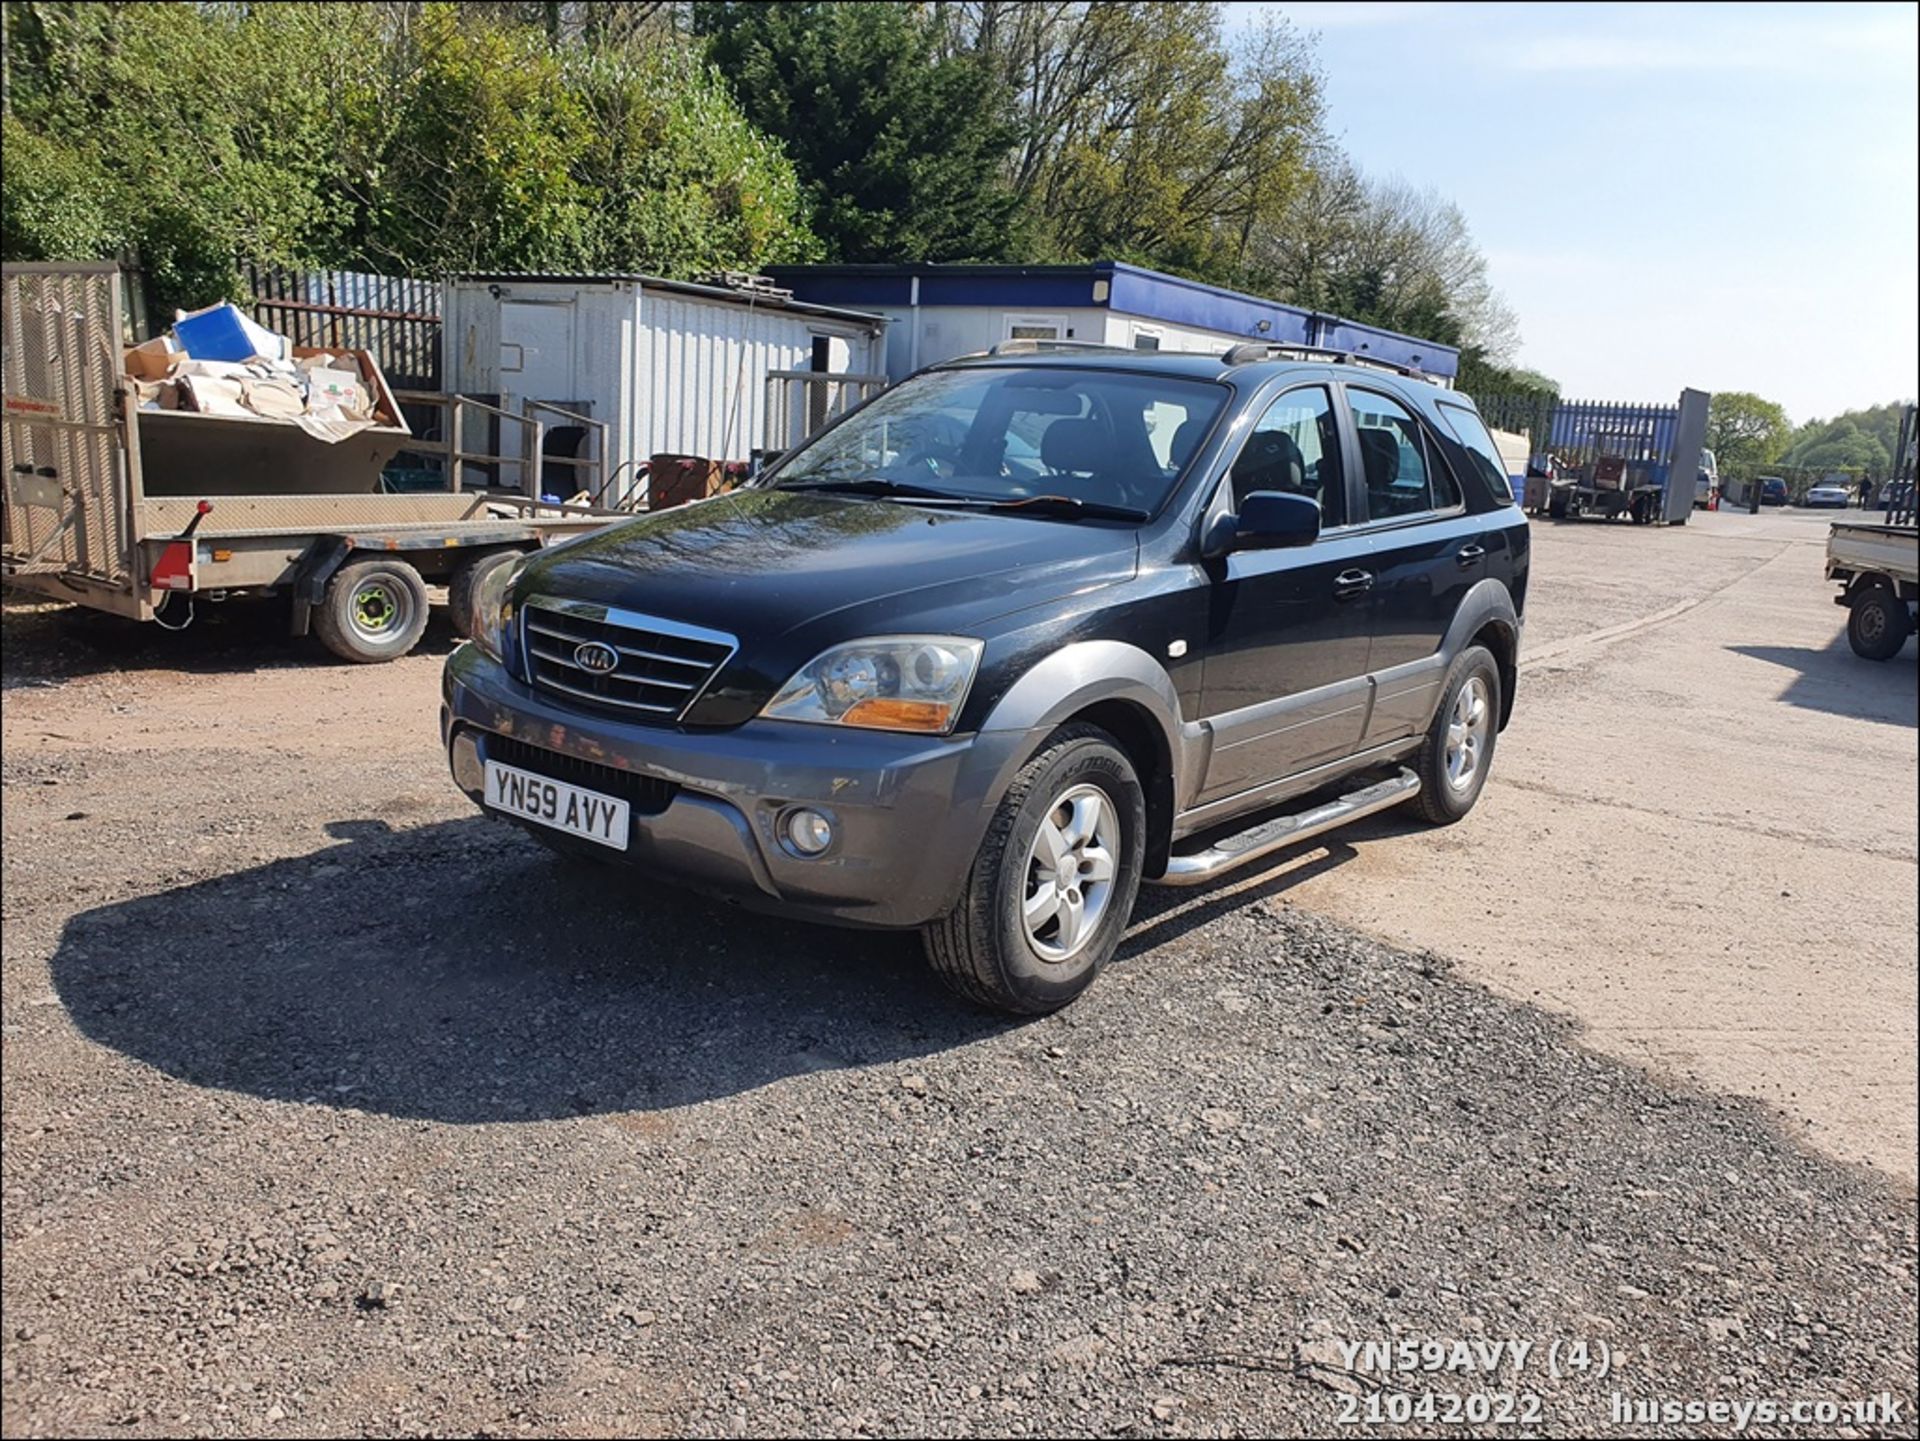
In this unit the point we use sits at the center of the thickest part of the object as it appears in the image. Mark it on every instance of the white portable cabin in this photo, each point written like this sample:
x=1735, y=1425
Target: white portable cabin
x=667, y=366
x=938, y=311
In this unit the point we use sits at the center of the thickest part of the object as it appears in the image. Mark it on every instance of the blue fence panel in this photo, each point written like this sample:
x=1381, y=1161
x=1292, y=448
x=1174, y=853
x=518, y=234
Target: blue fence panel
x=1585, y=430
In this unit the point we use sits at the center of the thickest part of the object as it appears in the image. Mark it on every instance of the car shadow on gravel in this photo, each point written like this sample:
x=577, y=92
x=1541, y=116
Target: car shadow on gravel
x=1833, y=679
x=47, y=644
x=1166, y=913
x=458, y=972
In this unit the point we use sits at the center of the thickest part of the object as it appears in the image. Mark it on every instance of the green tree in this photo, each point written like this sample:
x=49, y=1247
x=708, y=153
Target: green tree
x=190, y=133
x=407, y=138
x=507, y=150
x=674, y=177
x=901, y=150
x=1142, y=135
x=476, y=166
x=1844, y=446
x=1862, y=440
x=1386, y=254
x=1481, y=377
x=1744, y=431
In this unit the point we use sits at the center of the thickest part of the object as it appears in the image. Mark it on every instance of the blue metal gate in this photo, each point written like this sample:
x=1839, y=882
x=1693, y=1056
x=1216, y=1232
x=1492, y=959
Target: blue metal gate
x=1586, y=430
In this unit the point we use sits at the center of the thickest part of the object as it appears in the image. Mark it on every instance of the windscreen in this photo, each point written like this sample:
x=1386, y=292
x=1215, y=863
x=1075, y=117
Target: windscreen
x=990, y=434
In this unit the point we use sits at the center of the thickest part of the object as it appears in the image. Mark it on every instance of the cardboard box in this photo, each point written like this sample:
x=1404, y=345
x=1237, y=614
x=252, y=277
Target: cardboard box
x=154, y=359
x=211, y=395
x=274, y=396
x=342, y=388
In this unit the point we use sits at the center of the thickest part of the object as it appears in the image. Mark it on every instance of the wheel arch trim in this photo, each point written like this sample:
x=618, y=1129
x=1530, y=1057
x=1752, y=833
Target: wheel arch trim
x=1088, y=674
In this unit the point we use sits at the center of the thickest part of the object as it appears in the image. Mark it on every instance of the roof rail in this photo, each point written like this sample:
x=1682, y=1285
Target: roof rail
x=1027, y=346
x=1249, y=351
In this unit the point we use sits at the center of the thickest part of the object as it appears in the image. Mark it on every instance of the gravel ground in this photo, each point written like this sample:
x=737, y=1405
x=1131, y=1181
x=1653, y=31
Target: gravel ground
x=331, y=1107
x=1702, y=825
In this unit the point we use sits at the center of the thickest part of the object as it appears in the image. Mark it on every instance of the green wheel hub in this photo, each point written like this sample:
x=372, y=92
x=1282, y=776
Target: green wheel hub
x=380, y=608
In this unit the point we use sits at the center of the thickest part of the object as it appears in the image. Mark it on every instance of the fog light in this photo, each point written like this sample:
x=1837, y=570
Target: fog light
x=808, y=832
x=468, y=773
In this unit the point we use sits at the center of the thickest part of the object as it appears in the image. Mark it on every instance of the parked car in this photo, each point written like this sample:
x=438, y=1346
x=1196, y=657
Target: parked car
x=1250, y=598
x=1773, y=490
x=1896, y=495
x=1833, y=497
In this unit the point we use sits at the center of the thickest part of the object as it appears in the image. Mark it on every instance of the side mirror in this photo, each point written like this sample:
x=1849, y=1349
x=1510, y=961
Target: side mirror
x=1268, y=520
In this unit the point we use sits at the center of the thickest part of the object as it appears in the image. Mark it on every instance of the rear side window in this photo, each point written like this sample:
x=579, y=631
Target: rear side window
x=1295, y=448
x=1404, y=475
x=1471, y=432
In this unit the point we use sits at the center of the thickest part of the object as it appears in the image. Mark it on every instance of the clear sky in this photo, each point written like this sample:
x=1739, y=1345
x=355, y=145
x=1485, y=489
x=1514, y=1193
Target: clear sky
x=1716, y=195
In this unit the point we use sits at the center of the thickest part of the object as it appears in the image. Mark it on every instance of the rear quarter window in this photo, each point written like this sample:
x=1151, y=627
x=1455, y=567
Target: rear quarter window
x=1472, y=434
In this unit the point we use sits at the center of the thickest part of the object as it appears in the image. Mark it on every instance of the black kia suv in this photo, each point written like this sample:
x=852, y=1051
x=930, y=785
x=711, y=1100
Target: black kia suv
x=1021, y=633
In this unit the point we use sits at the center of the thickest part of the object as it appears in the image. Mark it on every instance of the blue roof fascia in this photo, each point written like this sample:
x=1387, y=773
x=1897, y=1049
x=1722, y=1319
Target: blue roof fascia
x=1152, y=295
x=1149, y=295
x=1427, y=355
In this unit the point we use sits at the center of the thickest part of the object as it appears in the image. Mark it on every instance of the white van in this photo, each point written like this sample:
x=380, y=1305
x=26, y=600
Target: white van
x=1707, y=484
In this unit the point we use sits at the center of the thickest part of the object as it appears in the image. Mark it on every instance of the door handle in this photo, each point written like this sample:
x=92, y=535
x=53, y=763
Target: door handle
x=1471, y=555
x=1351, y=583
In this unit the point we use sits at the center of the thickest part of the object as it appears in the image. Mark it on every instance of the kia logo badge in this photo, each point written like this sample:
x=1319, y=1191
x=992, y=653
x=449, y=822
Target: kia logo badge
x=595, y=656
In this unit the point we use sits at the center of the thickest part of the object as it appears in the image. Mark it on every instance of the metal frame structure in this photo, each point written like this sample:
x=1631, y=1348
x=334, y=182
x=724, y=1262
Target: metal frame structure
x=532, y=459
x=826, y=396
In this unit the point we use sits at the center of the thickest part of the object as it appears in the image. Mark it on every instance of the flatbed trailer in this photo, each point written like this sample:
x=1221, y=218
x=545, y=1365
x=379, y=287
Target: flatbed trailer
x=77, y=522
x=1877, y=564
x=1609, y=487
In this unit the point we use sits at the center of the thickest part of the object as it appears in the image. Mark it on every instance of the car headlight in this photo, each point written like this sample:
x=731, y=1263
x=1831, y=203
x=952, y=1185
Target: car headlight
x=492, y=618
x=890, y=682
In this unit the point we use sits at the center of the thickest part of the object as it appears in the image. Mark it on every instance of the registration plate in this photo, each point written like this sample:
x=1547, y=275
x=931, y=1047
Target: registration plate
x=583, y=813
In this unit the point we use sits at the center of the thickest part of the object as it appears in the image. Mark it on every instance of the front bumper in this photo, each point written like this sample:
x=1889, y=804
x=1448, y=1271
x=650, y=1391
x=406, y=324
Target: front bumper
x=908, y=811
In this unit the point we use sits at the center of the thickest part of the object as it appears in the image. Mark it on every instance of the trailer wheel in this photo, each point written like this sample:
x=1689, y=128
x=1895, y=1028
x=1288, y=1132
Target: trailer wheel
x=465, y=581
x=374, y=610
x=1557, y=505
x=1877, y=623
x=1643, y=510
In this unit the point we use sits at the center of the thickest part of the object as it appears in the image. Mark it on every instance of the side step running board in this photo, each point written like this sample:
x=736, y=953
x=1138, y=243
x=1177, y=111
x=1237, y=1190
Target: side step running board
x=1249, y=845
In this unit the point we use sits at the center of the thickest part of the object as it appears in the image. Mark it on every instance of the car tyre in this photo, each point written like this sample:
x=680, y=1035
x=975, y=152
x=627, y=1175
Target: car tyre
x=1069, y=831
x=1877, y=623
x=466, y=581
x=1454, y=759
x=373, y=610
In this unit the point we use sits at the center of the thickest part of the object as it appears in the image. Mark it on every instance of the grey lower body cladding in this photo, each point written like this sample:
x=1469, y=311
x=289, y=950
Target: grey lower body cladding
x=708, y=809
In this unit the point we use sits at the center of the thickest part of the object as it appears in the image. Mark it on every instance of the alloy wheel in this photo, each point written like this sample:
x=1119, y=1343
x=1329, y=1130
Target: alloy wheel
x=1071, y=868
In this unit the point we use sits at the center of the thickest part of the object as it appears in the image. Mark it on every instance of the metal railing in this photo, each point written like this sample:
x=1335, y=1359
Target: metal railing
x=800, y=402
x=397, y=318
x=522, y=471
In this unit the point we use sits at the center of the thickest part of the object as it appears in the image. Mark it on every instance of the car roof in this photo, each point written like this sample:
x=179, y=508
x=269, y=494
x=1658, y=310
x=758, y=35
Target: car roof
x=1201, y=365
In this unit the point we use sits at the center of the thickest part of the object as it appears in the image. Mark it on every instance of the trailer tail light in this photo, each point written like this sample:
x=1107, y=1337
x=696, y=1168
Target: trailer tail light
x=174, y=569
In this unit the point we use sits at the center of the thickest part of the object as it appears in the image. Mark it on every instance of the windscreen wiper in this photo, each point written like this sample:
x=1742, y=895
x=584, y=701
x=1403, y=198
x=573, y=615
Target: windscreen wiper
x=1071, y=505
x=878, y=485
